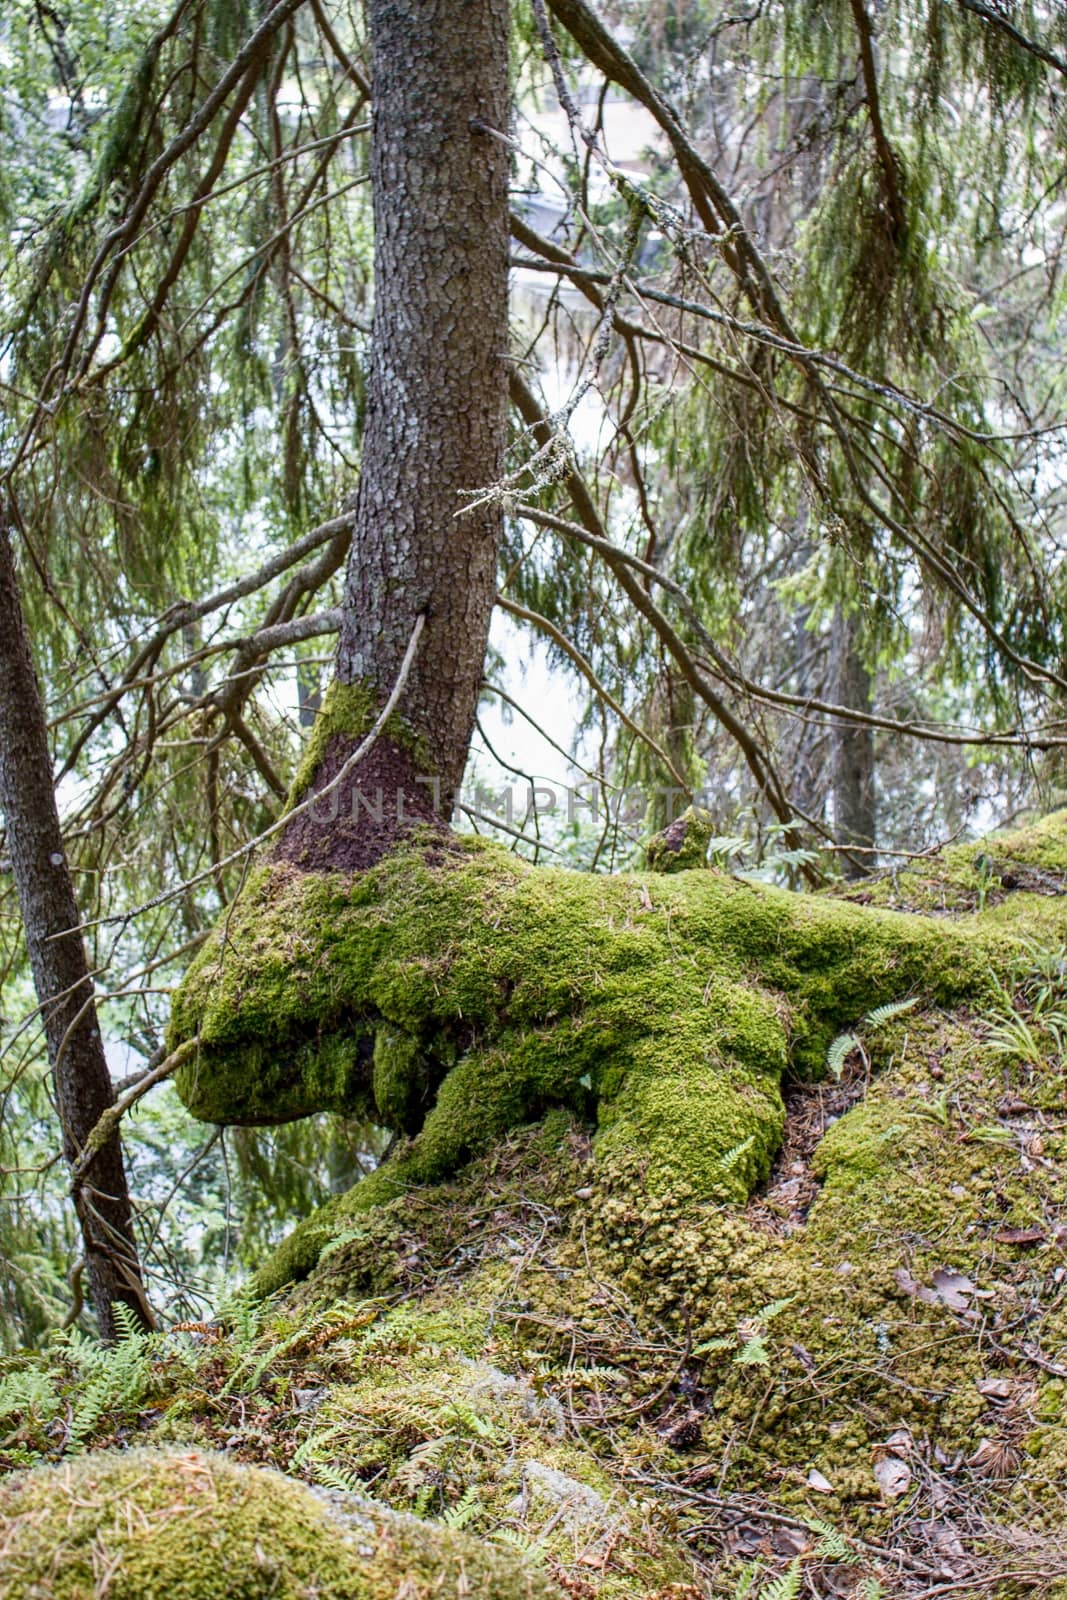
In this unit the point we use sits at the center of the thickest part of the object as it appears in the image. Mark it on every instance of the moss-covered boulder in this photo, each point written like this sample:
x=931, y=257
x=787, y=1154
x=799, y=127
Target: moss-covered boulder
x=454, y=992
x=191, y=1525
x=683, y=844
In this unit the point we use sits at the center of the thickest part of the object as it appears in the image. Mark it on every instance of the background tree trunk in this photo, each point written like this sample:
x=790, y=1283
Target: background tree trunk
x=436, y=413
x=83, y=1087
x=854, y=799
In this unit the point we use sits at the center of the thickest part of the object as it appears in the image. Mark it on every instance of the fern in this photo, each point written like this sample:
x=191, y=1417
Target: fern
x=516, y=1539
x=472, y=1421
x=753, y=1353
x=727, y=1162
x=466, y=1509
x=883, y=1014
x=787, y=1587
x=773, y=1310
x=843, y=1046
x=745, y=1579
x=29, y=1391
x=333, y=1478
x=711, y=1345
x=832, y=1545
x=839, y=1052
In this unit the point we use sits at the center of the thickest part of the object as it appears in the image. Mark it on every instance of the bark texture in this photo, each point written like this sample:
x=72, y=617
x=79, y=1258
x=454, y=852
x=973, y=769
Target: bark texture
x=436, y=415
x=83, y=1087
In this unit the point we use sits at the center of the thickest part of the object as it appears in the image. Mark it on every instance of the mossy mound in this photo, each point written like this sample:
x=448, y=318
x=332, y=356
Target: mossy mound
x=1014, y=878
x=149, y=1525
x=454, y=992
x=874, y=1345
x=860, y=1372
x=442, y=1433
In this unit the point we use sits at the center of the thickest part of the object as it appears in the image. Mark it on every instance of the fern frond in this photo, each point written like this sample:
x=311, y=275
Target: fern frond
x=528, y=1548
x=728, y=1161
x=332, y=1478
x=464, y=1511
x=832, y=1544
x=773, y=1310
x=883, y=1014
x=839, y=1052
x=787, y=1587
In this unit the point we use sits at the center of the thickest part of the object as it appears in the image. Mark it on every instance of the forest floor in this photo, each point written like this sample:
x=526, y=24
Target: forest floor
x=853, y=1386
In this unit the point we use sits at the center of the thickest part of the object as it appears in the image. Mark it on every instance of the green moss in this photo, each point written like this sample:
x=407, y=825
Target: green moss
x=348, y=711
x=683, y=844
x=667, y=1008
x=402, y=1077
x=145, y=1525
x=1013, y=878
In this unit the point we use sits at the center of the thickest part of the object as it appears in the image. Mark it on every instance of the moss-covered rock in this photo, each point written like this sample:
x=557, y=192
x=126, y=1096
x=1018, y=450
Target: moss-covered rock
x=150, y=1525
x=454, y=992
x=683, y=844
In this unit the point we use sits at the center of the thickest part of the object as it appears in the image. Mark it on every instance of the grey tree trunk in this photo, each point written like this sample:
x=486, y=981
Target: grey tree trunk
x=436, y=412
x=854, y=798
x=83, y=1087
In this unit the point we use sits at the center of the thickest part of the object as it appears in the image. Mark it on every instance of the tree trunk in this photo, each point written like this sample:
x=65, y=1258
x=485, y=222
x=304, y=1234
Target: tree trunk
x=83, y=1087
x=436, y=415
x=854, y=801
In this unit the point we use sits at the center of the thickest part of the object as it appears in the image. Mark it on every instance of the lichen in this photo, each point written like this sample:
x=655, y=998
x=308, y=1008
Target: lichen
x=148, y=1525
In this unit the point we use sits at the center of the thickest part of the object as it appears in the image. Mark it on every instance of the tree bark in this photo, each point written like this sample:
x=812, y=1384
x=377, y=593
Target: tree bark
x=436, y=412
x=83, y=1087
x=854, y=798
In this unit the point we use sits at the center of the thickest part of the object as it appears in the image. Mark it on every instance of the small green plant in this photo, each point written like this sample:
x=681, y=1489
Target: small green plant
x=466, y=1510
x=986, y=874
x=1029, y=1021
x=749, y=1339
x=843, y=1046
x=784, y=1587
x=832, y=1544
x=526, y=1546
x=54, y=1403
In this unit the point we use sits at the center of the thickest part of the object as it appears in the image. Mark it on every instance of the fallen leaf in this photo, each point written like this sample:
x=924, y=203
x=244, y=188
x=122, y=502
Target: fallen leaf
x=912, y=1285
x=892, y=1476
x=820, y=1484
x=1020, y=1236
x=954, y=1289
x=996, y=1388
x=995, y=1458
x=790, y=1541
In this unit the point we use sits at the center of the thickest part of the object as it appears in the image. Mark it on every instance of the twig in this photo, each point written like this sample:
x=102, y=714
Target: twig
x=283, y=821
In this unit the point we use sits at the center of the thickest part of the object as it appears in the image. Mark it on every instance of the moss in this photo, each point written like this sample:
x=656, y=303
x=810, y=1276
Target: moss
x=402, y=1077
x=668, y=1008
x=814, y=1343
x=560, y=1334
x=821, y=1340
x=1013, y=878
x=348, y=712
x=683, y=844
x=146, y=1525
